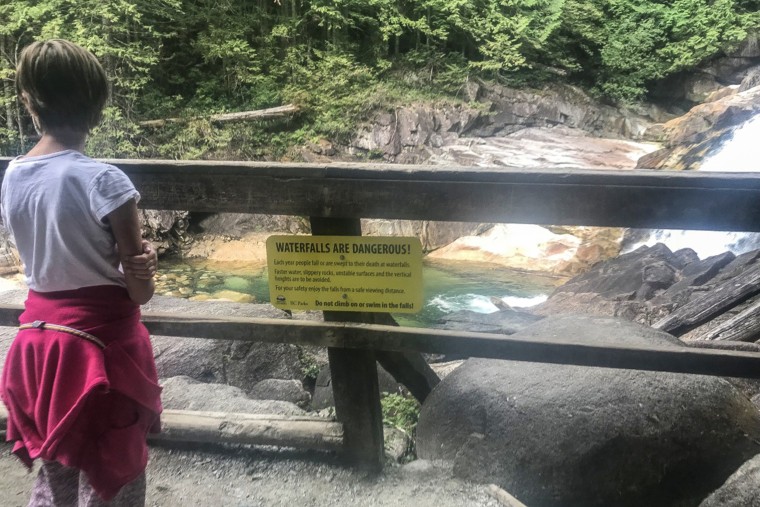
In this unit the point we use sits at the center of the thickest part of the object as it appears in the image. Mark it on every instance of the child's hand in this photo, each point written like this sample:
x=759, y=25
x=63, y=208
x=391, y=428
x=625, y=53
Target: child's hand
x=141, y=266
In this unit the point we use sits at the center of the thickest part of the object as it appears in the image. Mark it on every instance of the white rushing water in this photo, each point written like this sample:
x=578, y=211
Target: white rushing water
x=739, y=154
x=481, y=304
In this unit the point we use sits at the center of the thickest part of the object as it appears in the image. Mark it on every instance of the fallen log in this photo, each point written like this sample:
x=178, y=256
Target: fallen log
x=225, y=427
x=720, y=299
x=259, y=114
x=503, y=497
x=743, y=327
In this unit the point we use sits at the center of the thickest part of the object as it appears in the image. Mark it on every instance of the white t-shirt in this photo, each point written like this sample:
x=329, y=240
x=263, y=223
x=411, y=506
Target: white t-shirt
x=54, y=207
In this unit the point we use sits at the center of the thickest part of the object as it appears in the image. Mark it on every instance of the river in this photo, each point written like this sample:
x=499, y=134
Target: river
x=448, y=287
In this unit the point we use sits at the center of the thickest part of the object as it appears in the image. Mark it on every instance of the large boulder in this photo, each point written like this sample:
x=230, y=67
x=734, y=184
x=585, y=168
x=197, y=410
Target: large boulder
x=281, y=390
x=225, y=361
x=742, y=489
x=516, y=246
x=166, y=229
x=184, y=393
x=323, y=393
x=562, y=435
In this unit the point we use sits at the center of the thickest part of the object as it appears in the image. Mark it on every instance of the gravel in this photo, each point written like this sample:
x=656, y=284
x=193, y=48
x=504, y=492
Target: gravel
x=266, y=476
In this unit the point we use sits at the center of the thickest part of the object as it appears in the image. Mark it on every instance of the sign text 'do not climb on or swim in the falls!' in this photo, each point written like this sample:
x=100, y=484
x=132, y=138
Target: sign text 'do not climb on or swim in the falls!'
x=345, y=273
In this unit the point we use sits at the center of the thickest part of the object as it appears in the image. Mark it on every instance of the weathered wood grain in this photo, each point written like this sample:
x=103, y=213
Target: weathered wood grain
x=744, y=326
x=639, y=198
x=354, y=381
x=405, y=339
x=712, y=303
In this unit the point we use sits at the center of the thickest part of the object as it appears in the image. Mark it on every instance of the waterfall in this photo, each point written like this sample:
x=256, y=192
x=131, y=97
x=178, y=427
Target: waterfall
x=738, y=154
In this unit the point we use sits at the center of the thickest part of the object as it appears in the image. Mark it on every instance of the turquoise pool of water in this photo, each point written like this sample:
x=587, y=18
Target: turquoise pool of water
x=447, y=287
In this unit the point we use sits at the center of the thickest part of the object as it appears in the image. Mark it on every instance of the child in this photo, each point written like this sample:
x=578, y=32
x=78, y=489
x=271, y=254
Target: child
x=79, y=380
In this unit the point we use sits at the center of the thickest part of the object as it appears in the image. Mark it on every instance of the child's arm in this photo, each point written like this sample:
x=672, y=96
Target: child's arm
x=126, y=229
x=142, y=266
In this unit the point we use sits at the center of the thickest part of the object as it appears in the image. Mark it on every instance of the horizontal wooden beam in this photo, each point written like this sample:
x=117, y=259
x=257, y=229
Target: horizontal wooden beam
x=625, y=198
x=405, y=339
x=236, y=428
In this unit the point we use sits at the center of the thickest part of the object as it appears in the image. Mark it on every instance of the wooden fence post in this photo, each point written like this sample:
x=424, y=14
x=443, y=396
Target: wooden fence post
x=354, y=376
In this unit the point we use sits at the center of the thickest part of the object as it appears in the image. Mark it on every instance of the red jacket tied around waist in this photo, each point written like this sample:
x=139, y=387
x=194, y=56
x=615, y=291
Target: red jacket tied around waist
x=72, y=401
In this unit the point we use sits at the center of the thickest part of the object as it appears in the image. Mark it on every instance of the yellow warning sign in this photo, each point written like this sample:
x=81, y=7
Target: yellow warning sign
x=345, y=273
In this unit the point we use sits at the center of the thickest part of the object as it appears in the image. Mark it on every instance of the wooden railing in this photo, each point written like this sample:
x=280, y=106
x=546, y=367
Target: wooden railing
x=336, y=197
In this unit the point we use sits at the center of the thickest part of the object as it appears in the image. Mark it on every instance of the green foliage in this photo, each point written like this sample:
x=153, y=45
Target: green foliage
x=310, y=368
x=114, y=137
x=334, y=89
x=341, y=59
x=400, y=411
x=649, y=40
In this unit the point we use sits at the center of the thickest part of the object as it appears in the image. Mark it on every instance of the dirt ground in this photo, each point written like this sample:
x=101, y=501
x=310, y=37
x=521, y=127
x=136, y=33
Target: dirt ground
x=258, y=477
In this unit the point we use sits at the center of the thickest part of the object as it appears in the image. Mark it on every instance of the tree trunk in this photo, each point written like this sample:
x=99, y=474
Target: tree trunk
x=8, y=94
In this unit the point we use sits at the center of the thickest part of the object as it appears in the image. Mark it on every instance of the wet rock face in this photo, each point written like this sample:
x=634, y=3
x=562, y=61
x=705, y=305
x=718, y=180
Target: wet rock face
x=237, y=363
x=647, y=284
x=558, y=435
x=413, y=134
x=688, y=139
x=166, y=229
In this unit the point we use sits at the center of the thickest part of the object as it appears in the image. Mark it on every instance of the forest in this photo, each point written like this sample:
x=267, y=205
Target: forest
x=338, y=60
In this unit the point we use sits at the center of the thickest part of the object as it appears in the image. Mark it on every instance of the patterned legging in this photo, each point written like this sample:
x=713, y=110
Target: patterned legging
x=61, y=486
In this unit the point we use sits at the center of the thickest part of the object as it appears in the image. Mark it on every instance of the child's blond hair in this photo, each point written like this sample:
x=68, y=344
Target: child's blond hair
x=62, y=84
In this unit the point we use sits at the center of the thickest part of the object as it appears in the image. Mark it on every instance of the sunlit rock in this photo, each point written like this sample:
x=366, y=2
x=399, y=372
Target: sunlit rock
x=250, y=248
x=534, y=248
x=234, y=296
